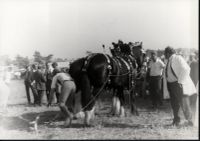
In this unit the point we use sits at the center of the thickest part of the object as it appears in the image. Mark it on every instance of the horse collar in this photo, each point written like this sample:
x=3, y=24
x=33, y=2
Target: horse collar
x=86, y=62
x=108, y=61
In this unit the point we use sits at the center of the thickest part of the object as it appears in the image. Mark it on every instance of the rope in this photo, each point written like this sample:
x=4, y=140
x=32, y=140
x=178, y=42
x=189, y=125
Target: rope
x=96, y=94
x=120, y=74
x=102, y=87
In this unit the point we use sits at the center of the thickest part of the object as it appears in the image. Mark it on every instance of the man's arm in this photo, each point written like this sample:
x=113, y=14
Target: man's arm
x=53, y=89
x=181, y=68
x=43, y=77
x=51, y=96
x=162, y=64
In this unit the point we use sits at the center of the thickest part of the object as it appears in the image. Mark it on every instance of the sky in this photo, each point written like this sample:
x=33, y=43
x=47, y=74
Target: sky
x=69, y=28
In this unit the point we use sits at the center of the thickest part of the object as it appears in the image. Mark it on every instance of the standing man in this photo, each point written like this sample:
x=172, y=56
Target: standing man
x=40, y=81
x=156, y=67
x=32, y=83
x=144, y=75
x=27, y=83
x=180, y=86
x=49, y=78
x=55, y=70
x=194, y=72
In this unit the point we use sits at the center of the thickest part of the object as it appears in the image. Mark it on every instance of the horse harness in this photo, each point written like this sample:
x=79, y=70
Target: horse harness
x=127, y=63
x=87, y=61
x=89, y=58
x=124, y=63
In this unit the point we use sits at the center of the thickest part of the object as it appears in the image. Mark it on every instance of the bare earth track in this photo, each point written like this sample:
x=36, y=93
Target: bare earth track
x=149, y=125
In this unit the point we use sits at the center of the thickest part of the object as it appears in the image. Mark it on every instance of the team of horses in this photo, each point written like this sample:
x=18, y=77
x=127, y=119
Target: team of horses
x=116, y=72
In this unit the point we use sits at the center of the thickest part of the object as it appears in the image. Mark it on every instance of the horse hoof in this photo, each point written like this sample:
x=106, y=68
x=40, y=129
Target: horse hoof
x=135, y=113
x=89, y=125
x=122, y=115
x=67, y=122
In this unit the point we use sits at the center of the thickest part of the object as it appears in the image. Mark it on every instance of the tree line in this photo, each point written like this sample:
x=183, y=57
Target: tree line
x=22, y=62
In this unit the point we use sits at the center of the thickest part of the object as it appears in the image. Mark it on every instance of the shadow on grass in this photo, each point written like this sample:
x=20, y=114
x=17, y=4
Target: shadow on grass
x=23, y=122
x=14, y=123
x=122, y=125
x=73, y=125
x=20, y=105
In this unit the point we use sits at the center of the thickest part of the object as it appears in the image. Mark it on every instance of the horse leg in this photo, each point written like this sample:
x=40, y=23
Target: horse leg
x=122, y=102
x=96, y=92
x=118, y=103
x=87, y=98
x=88, y=116
x=114, y=103
x=134, y=110
x=122, y=111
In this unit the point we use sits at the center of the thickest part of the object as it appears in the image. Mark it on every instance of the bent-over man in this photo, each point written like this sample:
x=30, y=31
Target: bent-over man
x=68, y=89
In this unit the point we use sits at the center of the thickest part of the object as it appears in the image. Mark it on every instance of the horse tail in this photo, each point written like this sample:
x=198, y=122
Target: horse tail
x=86, y=94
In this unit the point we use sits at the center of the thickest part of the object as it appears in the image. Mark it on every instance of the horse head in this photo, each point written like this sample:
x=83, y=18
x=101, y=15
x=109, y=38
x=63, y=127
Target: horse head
x=116, y=49
x=138, y=52
x=125, y=49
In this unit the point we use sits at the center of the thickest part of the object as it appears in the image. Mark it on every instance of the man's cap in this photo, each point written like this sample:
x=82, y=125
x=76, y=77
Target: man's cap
x=57, y=70
x=154, y=52
x=54, y=64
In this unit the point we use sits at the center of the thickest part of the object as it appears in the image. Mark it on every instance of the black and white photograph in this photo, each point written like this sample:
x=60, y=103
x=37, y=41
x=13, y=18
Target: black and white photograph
x=99, y=69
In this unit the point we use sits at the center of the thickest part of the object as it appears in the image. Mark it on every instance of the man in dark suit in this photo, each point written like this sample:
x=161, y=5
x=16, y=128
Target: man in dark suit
x=27, y=82
x=40, y=81
x=49, y=77
x=55, y=70
x=194, y=72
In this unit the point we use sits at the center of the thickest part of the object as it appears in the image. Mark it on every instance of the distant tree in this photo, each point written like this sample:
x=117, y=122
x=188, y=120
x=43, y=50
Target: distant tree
x=59, y=60
x=37, y=57
x=66, y=59
x=5, y=60
x=48, y=58
x=21, y=62
x=42, y=59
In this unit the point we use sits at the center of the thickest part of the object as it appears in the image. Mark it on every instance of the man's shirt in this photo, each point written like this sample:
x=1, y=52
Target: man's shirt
x=171, y=77
x=180, y=68
x=182, y=72
x=60, y=78
x=156, y=68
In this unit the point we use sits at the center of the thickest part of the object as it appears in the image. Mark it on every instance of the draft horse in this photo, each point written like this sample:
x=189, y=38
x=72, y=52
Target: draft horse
x=97, y=71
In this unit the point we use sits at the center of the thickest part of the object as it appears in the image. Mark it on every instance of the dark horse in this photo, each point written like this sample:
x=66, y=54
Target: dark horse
x=92, y=73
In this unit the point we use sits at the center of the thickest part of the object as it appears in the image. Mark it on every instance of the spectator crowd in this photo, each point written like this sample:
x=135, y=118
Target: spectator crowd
x=38, y=79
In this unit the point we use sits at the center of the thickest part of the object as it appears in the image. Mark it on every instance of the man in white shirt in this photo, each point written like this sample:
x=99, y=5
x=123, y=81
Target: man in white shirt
x=180, y=86
x=156, y=67
x=68, y=89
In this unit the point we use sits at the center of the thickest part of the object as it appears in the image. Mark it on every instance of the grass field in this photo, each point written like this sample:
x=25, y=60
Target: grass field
x=148, y=125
